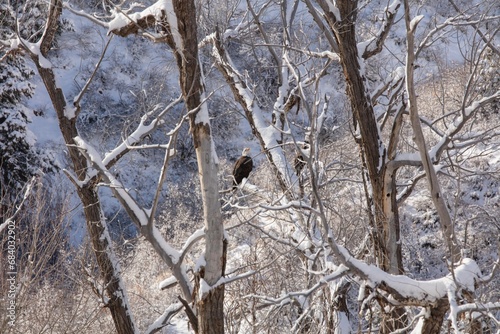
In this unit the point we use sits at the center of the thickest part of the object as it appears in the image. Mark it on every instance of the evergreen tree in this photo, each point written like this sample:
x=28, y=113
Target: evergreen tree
x=19, y=158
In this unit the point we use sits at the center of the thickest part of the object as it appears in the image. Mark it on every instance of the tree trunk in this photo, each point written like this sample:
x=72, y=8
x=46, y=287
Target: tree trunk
x=210, y=305
x=432, y=324
x=382, y=198
x=432, y=180
x=101, y=242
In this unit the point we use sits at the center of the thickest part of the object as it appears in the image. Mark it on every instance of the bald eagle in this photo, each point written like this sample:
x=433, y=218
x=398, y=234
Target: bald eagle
x=242, y=167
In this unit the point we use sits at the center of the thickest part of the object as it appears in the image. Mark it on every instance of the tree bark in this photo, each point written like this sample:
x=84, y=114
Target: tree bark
x=382, y=199
x=432, y=324
x=211, y=305
x=180, y=33
x=101, y=243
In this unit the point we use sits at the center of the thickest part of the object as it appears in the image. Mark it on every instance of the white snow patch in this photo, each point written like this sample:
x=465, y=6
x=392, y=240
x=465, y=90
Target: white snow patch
x=392, y=7
x=332, y=6
x=172, y=253
x=465, y=274
x=201, y=262
x=70, y=112
x=204, y=288
x=415, y=21
x=167, y=282
x=35, y=49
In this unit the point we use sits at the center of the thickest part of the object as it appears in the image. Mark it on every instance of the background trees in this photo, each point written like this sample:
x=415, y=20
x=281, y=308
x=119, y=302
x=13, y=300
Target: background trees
x=361, y=91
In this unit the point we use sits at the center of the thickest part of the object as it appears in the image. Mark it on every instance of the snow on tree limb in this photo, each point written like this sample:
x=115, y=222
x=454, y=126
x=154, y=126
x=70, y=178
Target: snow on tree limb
x=142, y=130
x=478, y=307
x=138, y=214
x=27, y=192
x=164, y=319
x=374, y=45
x=267, y=133
x=408, y=291
x=190, y=241
x=160, y=14
x=205, y=288
x=450, y=135
x=291, y=296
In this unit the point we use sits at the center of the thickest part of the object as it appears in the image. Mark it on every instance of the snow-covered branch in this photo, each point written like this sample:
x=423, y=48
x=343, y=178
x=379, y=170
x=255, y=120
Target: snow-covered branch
x=374, y=46
x=468, y=112
x=10, y=220
x=477, y=307
x=266, y=132
x=292, y=296
x=407, y=291
x=164, y=319
x=139, y=215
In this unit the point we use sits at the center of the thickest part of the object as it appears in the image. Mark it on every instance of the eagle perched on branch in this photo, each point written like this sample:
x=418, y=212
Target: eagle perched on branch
x=242, y=167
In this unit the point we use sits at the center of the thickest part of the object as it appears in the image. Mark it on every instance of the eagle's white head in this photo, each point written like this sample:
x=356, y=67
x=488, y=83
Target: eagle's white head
x=246, y=151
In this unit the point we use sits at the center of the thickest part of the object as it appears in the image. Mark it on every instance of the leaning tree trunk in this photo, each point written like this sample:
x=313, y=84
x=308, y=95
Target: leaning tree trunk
x=432, y=324
x=381, y=176
x=101, y=243
x=432, y=180
x=382, y=201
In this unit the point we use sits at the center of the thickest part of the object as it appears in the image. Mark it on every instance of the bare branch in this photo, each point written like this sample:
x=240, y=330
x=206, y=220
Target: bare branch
x=375, y=45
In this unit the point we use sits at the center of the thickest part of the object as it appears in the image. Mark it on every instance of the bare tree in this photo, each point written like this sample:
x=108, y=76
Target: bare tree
x=378, y=133
x=179, y=31
x=317, y=230
x=87, y=192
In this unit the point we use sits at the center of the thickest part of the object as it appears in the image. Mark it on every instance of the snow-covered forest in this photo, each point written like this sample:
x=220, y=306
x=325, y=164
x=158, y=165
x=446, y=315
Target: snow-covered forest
x=372, y=206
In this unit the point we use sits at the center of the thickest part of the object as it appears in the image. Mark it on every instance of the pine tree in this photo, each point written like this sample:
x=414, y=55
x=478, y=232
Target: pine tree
x=19, y=158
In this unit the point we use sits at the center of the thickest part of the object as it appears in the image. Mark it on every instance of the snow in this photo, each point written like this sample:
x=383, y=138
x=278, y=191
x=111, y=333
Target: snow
x=201, y=262
x=158, y=9
x=35, y=49
x=414, y=156
x=393, y=6
x=198, y=234
x=167, y=283
x=343, y=324
x=465, y=275
x=172, y=21
x=204, y=289
x=116, y=185
x=141, y=130
x=202, y=116
x=332, y=6
x=172, y=253
x=398, y=73
x=121, y=293
x=70, y=112
x=161, y=320
x=269, y=133
x=415, y=21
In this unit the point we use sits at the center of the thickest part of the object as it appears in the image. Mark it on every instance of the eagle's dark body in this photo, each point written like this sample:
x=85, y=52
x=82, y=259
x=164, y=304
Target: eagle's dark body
x=242, y=168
